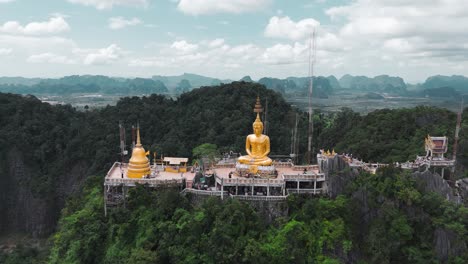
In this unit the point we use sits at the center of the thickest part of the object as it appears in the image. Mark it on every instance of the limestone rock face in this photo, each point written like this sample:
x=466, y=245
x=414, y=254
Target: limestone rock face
x=337, y=174
x=23, y=208
x=446, y=244
x=429, y=182
x=462, y=188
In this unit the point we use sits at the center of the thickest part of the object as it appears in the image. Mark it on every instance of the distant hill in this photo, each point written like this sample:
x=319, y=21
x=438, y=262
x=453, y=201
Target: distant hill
x=19, y=80
x=457, y=82
x=291, y=86
x=441, y=92
x=335, y=84
x=381, y=83
x=298, y=86
x=246, y=79
x=89, y=84
x=195, y=80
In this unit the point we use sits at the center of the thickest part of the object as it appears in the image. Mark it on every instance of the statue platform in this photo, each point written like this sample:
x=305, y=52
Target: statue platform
x=243, y=170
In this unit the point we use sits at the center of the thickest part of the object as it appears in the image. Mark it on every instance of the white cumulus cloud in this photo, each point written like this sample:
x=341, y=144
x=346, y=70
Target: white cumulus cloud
x=107, y=4
x=5, y=51
x=50, y=58
x=204, y=7
x=284, y=27
x=53, y=26
x=104, y=55
x=184, y=47
x=120, y=22
x=418, y=33
x=216, y=42
x=285, y=53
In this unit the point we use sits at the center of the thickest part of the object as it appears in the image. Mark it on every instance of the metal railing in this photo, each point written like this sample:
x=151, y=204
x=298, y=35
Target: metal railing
x=151, y=182
x=304, y=191
x=203, y=192
x=258, y=197
x=307, y=167
x=243, y=182
x=305, y=177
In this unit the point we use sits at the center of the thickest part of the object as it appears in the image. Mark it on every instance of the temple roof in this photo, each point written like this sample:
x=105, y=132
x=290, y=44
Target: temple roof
x=175, y=161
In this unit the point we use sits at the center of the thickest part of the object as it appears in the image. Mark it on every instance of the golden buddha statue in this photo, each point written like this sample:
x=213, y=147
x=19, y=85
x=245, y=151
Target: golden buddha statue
x=257, y=145
x=138, y=165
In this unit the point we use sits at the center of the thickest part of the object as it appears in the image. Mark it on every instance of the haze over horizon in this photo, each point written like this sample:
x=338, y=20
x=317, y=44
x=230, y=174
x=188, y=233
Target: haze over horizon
x=231, y=39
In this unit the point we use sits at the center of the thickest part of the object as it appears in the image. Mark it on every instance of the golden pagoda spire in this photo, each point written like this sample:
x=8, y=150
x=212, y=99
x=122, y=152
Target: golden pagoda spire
x=258, y=106
x=138, y=136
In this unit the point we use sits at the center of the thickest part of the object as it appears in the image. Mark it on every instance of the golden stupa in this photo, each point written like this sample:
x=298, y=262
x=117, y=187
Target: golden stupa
x=139, y=165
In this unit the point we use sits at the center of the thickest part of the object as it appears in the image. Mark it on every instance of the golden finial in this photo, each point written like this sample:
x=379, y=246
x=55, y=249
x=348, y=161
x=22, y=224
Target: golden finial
x=258, y=106
x=333, y=152
x=258, y=120
x=138, y=136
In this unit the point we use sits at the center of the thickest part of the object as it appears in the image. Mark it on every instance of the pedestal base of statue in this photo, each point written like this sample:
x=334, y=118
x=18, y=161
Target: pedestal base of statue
x=246, y=170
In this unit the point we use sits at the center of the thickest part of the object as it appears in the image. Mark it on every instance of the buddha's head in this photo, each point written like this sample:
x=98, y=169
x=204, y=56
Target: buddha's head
x=258, y=126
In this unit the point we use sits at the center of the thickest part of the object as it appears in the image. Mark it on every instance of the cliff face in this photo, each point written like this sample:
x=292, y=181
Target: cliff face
x=338, y=175
x=462, y=186
x=430, y=182
x=26, y=211
x=370, y=208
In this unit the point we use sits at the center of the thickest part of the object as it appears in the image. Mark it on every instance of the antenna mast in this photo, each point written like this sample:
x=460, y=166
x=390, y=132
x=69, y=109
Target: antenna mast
x=122, y=140
x=457, y=131
x=266, y=126
x=312, y=54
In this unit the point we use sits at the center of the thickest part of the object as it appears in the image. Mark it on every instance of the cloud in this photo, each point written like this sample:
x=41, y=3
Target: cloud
x=35, y=44
x=284, y=27
x=215, y=53
x=5, y=51
x=50, y=58
x=183, y=47
x=285, y=53
x=53, y=26
x=104, y=55
x=6, y=1
x=370, y=36
x=120, y=22
x=216, y=43
x=404, y=26
x=206, y=7
x=107, y=4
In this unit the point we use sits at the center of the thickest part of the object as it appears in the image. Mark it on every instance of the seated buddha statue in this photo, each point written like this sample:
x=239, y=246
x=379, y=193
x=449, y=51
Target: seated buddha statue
x=257, y=146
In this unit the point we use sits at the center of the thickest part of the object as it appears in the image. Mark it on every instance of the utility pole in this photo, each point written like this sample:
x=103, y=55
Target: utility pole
x=457, y=131
x=312, y=55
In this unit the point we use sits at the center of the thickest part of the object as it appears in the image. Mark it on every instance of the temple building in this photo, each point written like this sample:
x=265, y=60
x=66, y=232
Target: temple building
x=254, y=176
x=435, y=147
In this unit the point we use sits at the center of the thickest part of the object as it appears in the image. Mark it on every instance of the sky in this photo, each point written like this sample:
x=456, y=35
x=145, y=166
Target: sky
x=230, y=39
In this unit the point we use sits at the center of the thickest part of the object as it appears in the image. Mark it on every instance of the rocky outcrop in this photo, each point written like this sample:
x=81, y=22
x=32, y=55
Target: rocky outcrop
x=24, y=208
x=337, y=174
x=432, y=182
x=462, y=188
x=447, y=243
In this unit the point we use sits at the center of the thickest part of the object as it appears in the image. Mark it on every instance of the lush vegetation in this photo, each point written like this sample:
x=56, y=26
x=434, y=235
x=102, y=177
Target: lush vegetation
x=380, y=218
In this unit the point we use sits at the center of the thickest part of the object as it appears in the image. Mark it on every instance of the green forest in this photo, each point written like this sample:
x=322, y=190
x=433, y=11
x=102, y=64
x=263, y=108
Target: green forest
x=50, y=153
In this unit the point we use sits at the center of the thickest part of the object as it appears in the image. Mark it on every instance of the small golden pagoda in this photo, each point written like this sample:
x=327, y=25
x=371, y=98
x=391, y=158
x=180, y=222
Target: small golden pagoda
x=138, y=165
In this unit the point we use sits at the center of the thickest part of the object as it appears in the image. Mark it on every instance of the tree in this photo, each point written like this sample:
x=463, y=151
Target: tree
x=206, y=150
